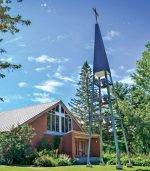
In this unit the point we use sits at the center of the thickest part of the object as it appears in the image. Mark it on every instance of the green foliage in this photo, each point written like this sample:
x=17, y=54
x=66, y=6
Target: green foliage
x=9, y=23
x=50, y=159
x=82, y=103
x=137, y=160
x=43, y=145
x=56, y=142
x=46, y=161
x=133, y=104
x=64, y=160
x=142, y=74
x=47, y=152
x=15, y=146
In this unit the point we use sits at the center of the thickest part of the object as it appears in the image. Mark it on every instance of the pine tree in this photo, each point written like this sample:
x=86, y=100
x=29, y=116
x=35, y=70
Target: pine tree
x=82, y=103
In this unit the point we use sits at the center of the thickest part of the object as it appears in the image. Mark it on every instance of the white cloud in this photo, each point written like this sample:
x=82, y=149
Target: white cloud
x=16, y=39
x=41, y=97
x=22, y=84
x=42, y=68
x=127, y=80
x=59, y=75
x=62, y=37
x=43, y=5
x=58, y=38
x=47, y=7
x=131, y=70
x=48, y=59
x=111, y=34
x=6, y=59
x=64, y=78
x=10, y=98
x=89, y=46
x=110, y=50
x=114, y=73
x=49, y=86
x=121, y=67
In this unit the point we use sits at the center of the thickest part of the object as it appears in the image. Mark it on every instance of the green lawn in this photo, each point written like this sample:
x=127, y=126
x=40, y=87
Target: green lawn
x=71, y=168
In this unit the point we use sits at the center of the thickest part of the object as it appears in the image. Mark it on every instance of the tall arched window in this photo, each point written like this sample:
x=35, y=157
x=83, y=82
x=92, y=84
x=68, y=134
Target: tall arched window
x=58, y=120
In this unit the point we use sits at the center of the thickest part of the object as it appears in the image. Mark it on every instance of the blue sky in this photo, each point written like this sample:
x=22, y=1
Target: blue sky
x=60, y=39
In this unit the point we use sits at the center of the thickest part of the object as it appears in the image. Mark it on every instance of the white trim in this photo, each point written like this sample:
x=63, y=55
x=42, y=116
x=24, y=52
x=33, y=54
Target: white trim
x=60, y=124
x=53, y=133
x=60, y=115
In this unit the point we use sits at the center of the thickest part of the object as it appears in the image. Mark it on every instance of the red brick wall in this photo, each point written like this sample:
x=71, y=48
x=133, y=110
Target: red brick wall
x=49, y=138
x=67, y=144
x=40, y=126
x=67, y=141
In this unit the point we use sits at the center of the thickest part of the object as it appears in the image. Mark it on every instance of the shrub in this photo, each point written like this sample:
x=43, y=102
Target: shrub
x=64, y=160
x=141, y=161
x=46, y=161
x=15, y=146
x=138, y=160
x=43, y=145
x=49, y=158
x=56, y=142
x=47, y=152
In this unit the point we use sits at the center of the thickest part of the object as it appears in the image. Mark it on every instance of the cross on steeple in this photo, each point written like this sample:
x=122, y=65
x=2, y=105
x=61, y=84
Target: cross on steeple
x=95, y=13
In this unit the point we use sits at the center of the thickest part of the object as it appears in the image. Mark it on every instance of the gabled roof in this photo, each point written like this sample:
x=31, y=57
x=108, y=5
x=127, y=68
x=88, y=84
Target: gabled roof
x=13, y=118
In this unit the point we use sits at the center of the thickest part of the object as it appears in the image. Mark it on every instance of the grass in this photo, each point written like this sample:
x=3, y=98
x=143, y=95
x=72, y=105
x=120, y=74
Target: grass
x=71, y=168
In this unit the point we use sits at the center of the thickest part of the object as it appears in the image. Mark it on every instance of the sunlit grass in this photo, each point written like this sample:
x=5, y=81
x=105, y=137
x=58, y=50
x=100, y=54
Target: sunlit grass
x=71, y=168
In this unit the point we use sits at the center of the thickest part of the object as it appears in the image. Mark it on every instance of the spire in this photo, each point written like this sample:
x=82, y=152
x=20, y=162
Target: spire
x=100, y=64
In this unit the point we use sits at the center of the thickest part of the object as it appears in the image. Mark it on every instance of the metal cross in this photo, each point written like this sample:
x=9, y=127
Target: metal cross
x=95, y=13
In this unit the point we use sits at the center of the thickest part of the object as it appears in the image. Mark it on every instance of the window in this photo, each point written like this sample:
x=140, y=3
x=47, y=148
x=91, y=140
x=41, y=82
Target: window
x=57, y=123
x=69, y=124
x=53, y=123
x=52, y=111
x=62, y=110
x=66, y=124
x=62, y=124
x=57, y=108
x=48, y=122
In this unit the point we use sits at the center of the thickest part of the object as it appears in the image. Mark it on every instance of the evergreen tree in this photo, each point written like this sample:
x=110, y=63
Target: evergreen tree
x=9, y=24
x=134, y=105
x=82, y=103
x=140, y=100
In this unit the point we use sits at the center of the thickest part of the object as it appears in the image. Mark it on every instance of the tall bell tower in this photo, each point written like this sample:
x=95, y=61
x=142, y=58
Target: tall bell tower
x=102, y=82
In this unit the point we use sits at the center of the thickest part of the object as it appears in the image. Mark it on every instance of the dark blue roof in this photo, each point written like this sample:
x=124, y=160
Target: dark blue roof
x=100, y=58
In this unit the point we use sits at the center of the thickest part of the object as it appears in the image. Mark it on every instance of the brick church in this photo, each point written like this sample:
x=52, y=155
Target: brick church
x=49, y=120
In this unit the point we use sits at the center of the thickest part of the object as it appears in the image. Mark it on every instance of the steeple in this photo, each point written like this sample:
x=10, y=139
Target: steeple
x=100, y=64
